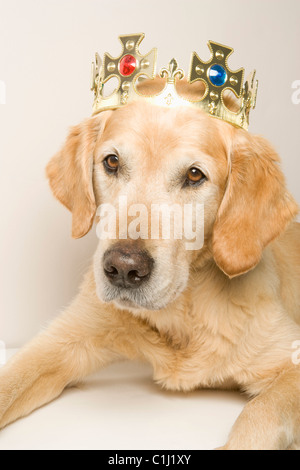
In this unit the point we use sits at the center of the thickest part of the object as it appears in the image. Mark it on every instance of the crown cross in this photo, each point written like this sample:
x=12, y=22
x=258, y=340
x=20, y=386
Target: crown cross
x=127, y=68
x=216, y=74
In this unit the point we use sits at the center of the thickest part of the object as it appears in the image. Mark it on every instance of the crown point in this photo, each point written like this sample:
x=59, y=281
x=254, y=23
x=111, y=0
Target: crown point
x=219, y=55
x=145, y=64
x=127, y=65
x=199, y=70
x=233, y=80
x=129, y=45
x=214, y=96
x=125, y=86
x=111, y=66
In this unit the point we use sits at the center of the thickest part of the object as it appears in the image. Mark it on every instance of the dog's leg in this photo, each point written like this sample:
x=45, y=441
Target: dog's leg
x=38, y=374
x=270, y=421
x=86, y=337
x=67, y=351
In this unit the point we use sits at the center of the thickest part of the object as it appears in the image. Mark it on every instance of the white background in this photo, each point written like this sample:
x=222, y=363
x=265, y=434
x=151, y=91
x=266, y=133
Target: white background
x=46, y=48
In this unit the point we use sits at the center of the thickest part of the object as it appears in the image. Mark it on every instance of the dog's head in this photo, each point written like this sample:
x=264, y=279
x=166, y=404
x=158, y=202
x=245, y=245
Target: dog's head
x=147, y=155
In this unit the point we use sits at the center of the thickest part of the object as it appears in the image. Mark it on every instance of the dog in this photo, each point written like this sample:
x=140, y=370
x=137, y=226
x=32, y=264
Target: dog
x=225, y=316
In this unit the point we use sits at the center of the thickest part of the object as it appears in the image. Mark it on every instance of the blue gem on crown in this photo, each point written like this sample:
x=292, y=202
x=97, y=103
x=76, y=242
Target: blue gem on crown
x=217, y=75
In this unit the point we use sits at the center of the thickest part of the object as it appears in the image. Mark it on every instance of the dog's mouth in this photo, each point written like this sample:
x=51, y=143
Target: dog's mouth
x=135, y=301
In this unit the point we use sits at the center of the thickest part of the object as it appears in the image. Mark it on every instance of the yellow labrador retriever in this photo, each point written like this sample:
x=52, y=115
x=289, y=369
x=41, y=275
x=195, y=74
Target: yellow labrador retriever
x=224, y=316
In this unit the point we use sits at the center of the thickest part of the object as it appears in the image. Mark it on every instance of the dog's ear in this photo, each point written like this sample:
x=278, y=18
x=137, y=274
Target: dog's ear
x=256, y=207
x=70, y=174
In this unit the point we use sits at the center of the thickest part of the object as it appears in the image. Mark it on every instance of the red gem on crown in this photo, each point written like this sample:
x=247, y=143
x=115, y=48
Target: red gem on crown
x=127, y=65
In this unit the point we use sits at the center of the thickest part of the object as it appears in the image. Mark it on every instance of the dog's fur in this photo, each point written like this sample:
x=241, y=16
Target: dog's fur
x=224, y=316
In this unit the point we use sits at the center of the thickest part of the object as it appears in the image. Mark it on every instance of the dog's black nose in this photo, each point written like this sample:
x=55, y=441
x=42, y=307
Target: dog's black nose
x=126, y=266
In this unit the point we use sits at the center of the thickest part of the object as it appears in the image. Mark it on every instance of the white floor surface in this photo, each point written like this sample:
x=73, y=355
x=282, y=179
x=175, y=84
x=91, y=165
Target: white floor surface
x=121, y=408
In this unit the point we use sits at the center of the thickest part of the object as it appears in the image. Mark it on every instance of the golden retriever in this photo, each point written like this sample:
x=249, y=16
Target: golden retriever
x=224, y=316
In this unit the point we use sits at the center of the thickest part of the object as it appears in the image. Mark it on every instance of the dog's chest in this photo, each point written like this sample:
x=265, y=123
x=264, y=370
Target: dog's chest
x=200, y=359
x=199, y=345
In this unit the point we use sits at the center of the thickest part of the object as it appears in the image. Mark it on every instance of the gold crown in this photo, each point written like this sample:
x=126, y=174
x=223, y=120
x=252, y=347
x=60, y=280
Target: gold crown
x=131, y=67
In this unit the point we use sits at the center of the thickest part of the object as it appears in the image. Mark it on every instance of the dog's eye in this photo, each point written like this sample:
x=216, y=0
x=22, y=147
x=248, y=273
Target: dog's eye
x=111, y=164
x=194, y=177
